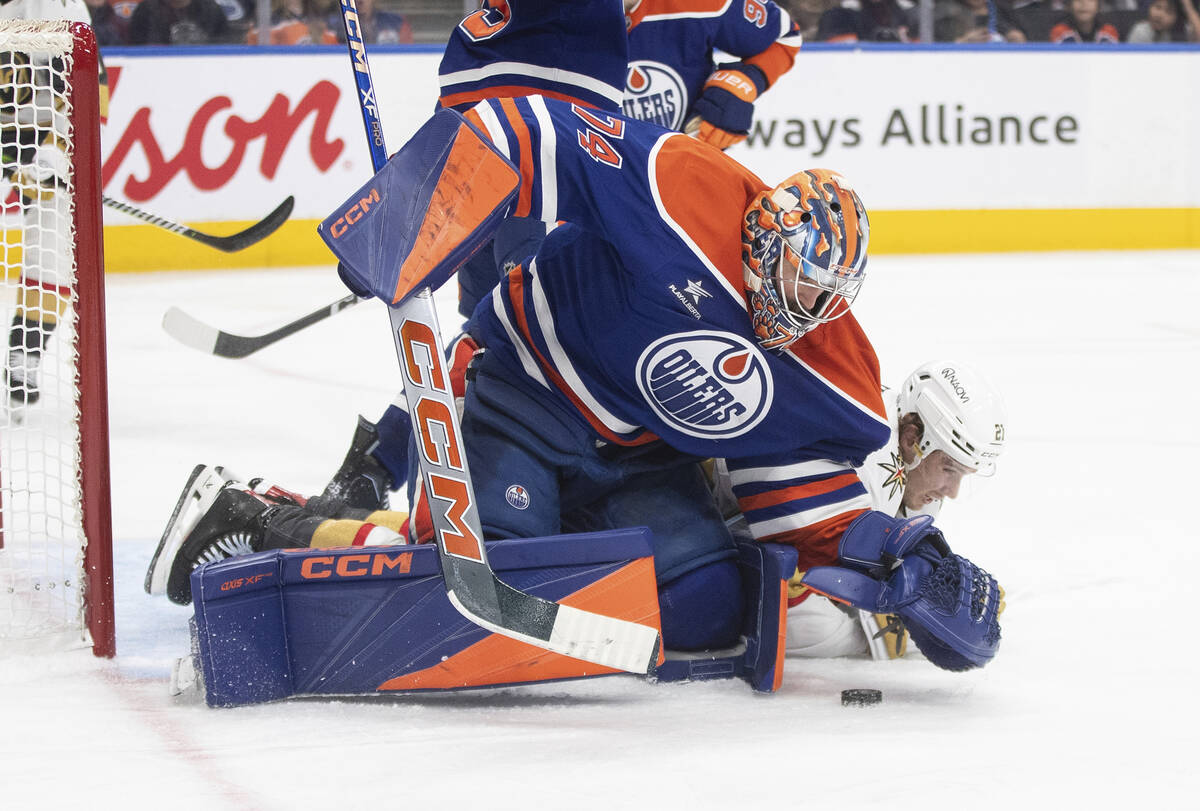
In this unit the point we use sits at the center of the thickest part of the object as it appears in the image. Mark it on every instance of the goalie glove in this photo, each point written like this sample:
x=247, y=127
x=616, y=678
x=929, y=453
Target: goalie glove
x=905, y=567
x=726, y=105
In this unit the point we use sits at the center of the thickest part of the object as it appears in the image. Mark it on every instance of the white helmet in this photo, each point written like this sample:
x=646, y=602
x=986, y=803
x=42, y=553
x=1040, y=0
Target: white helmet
x=963, y=415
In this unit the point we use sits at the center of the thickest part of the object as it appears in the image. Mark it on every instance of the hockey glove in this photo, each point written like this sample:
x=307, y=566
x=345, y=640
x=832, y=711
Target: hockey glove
x=904, y=567
x=726, y=105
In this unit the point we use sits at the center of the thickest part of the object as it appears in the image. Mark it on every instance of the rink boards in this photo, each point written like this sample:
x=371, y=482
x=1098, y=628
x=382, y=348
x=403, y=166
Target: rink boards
x=952, y=149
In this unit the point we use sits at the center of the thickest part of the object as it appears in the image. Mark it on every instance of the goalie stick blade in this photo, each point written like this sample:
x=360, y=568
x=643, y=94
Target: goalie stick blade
x=585, y=635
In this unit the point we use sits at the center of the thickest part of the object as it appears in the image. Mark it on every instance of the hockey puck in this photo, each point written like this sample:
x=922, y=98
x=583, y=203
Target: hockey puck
x=861, y=698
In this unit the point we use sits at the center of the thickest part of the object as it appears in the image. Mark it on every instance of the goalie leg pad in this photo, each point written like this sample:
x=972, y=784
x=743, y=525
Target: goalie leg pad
x=758, y=656
x=377, y=620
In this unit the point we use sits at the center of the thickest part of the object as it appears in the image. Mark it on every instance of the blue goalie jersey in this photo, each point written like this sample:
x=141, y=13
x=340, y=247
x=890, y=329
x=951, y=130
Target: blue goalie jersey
x=634, y=316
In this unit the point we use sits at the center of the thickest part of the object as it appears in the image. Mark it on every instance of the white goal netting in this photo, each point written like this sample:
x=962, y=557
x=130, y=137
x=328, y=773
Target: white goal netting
x=44, y=574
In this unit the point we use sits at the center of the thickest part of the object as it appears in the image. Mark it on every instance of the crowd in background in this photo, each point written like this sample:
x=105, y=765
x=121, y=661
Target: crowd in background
x=208, y=22
x=297, y=22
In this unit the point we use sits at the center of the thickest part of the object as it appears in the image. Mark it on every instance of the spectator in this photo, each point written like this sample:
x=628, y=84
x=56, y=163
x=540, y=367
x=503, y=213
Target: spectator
x=178, y=22
x=109, y=26
x=869, y=21
x=807, y=14
x=969, y=21
x=294, y=22
x=378, y=27
x=1167, y=21
x=1083, y=24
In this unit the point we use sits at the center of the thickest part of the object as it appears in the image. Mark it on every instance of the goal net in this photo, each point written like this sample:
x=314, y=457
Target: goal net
x=55, y=515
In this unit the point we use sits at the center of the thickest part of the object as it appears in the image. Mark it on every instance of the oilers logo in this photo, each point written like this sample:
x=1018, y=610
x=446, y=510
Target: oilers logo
x=704, y=384
x=655, y=93
x=517, y=496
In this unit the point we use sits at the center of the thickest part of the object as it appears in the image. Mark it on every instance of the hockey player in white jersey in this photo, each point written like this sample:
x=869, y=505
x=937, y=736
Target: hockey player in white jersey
x=948, y=423
x=33, y=127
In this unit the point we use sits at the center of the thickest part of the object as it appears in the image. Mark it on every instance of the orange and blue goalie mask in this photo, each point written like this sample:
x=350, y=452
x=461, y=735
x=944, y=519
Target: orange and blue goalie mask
x=805, y=238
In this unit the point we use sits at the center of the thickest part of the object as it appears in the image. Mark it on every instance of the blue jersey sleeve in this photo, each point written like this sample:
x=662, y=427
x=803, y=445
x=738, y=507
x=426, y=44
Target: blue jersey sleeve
x=749, y=27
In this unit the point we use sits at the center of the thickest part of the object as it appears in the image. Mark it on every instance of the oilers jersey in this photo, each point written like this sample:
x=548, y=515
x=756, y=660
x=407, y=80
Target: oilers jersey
x=671, y=45
x=565, y=49
x=634, y=316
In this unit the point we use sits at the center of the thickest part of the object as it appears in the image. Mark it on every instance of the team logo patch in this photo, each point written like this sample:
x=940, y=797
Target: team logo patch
x=654, y=92
x=704, y=384
x=517, y=496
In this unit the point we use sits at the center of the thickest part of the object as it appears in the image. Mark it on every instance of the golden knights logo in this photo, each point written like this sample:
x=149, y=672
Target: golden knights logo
x=894, y=483
x=706, y=384
x=655, y=93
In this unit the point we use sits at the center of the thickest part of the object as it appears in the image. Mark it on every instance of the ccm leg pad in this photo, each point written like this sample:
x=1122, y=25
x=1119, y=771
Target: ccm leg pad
x=362, y=621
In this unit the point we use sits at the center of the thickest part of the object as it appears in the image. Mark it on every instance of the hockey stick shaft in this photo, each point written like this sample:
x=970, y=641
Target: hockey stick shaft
x=193, y=332
x=471, y=584
x=229, y=244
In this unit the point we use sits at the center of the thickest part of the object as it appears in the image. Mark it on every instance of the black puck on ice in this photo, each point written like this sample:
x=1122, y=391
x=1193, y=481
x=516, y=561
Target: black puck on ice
x=861, y=698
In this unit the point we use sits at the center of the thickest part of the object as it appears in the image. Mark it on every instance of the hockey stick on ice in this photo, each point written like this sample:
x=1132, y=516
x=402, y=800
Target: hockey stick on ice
x=193, y=332
x=229, y=244
x=471, y=584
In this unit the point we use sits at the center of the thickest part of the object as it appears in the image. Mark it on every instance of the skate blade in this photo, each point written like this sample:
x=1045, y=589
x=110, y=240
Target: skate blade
x=202, y=488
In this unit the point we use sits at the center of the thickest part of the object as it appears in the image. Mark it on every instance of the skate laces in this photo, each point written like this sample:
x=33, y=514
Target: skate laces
x=226, y=546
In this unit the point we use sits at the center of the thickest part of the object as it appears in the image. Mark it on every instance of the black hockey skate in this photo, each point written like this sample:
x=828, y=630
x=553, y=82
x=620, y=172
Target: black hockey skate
x=361, y=482
x=26, y=342
x=216, y=517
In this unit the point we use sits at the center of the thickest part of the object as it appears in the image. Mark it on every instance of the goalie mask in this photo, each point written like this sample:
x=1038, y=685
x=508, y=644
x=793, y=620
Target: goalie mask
x=962, y=413
x=804, y=239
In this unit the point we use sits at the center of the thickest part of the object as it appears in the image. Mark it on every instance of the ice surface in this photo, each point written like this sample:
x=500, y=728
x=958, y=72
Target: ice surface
x=1090, y=703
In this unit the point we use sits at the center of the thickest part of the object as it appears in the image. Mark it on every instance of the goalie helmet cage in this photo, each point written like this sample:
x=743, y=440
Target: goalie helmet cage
x=56, y=582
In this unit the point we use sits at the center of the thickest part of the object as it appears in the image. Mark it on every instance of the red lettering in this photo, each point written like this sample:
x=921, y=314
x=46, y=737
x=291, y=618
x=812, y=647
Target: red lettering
x=428, y=414
x=459, y=540
x=276, y=128
x=414, y=333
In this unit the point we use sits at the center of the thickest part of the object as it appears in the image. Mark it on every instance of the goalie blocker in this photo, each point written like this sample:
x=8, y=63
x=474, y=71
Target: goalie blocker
x=355, y=621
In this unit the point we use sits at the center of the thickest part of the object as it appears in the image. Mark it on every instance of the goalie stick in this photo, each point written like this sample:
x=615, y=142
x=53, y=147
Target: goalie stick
x=229, y=244
x=471, y=584
x=193, y=332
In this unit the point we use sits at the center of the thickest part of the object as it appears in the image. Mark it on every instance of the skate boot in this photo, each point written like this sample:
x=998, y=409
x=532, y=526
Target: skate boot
x=361, y=482
x=216, y=517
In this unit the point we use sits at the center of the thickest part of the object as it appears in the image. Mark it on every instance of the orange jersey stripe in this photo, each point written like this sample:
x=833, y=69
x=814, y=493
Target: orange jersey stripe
x=688, y=171
x=829, y=351
x=816, y=488
x=817, y=543
x=509, y=91
x=524, y=155
x=775, y=61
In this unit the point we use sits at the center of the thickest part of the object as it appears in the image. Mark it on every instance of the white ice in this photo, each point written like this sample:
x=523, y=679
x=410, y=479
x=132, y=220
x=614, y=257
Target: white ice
x=1089, y=525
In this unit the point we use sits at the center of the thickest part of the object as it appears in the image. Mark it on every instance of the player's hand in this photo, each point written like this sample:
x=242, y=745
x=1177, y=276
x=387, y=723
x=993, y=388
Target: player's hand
x=726, y=105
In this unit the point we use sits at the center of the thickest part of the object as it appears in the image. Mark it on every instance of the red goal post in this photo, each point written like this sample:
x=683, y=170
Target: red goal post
x=56, y=574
